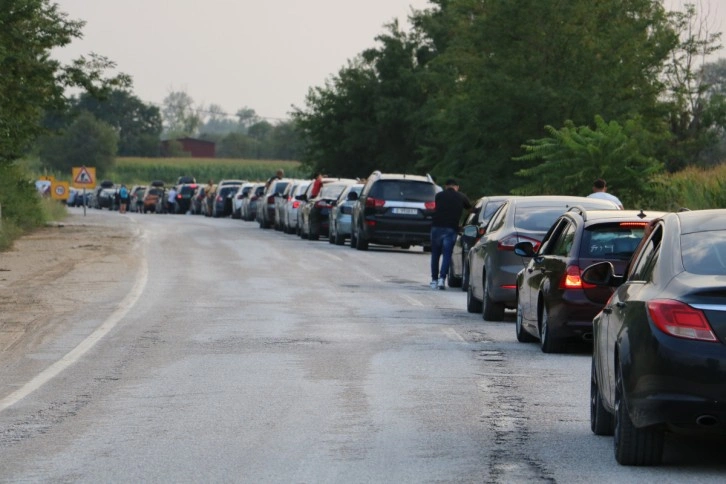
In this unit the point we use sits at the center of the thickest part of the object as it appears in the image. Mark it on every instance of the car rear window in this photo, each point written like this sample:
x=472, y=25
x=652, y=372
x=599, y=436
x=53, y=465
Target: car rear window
x=536, y=219
x=403, y=190
x=225, y=190
x=156, y=191
x=331, y=192
x=612, y=240
x=187, y=189
x=704, y=253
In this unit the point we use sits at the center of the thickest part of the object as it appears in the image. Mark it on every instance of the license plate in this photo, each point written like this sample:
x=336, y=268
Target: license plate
x=405, y=211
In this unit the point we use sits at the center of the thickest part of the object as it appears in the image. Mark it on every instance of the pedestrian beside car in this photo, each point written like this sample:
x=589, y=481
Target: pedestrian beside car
x=599, y=190
x=317, y=185
x=279, y=174
x=171, y=200
x=450, y=204
x=123, y=198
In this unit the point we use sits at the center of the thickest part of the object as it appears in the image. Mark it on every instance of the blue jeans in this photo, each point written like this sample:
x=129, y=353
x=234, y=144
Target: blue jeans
x=442, y=244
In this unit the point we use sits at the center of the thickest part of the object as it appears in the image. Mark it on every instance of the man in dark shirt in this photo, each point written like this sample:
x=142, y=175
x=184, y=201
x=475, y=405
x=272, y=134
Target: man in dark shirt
x=449, y=206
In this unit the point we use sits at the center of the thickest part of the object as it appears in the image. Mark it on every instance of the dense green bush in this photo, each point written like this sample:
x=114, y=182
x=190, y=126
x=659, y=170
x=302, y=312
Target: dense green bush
x=21, y=207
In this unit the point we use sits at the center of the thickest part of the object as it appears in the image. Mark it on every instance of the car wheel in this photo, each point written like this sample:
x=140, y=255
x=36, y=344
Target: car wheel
x=522, y=335
x=601, y=421
x=361, y=242
x=547, y=342
x=454, y=281
x=491, y=311
x=465, y=276
x=353, y=239
x=338, y=239
x=473, y=305
x=634, y=446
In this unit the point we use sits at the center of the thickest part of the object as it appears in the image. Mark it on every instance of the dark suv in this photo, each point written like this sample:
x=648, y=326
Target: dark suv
x=553, y=303
x=394, y=209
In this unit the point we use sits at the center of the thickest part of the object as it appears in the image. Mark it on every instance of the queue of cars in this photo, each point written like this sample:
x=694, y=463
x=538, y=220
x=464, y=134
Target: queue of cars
x=646, y=288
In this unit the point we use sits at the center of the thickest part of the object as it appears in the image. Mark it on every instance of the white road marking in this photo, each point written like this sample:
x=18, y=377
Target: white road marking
x=453, y=334
x=76, y=353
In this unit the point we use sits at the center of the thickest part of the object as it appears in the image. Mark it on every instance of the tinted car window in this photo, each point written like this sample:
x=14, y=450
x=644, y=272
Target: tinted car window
x=564, y=242
x=704, y=253
x=225, y=190
x=186, y=190
x=156, y=191
x=410, y=191
x=648, y=257
x=611, y=240
x=280, y=187
x=536, y=218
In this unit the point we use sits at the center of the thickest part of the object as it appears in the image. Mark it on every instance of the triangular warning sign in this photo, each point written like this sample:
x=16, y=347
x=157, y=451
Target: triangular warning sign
x=83, y=177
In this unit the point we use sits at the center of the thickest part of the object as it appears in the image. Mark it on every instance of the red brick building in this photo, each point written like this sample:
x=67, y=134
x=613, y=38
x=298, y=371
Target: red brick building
x=197, y=148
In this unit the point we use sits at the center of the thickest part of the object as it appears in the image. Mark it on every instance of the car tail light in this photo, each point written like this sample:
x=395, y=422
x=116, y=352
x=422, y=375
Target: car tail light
x=508, y=242
x=571, y=279
x=322, y=204
x=633, y=224
x=371, y=223
x=430, y=205
x=680, y=320
x=179, y=196
x=296, y=204
x=375, y=202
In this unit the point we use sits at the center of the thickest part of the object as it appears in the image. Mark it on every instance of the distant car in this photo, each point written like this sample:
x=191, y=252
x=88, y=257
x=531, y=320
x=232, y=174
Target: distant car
x=292, y=206
x=659, y=347
x=242, y=192
x=340, y=215
x=554, y=306
x=184, y=195
x=316, y=210
x=492, y=262
x=394, y=209
x=248, y=209
x=222, y=205
x=195, y=204
x=185, y=180
x=266, y=203
x=153, y=197
x=480, y=215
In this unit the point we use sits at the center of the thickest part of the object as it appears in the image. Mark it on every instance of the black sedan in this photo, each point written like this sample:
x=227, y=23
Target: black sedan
x=659, y=355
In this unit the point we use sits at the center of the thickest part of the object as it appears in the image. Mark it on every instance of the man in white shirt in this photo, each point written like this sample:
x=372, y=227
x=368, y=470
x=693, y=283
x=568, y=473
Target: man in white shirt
x=599, y=190
x=171, y=200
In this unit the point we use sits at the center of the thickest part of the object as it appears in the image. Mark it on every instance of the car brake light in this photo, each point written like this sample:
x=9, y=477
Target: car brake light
x=375, y=202
x=179, y=196
x=633, y=224
x=680, y=320
x=430, y=205
x=296, y=204
x=571, y=279
x=508, y=242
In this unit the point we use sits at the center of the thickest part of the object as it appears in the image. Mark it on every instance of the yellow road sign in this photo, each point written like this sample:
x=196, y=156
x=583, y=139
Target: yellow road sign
x=59, y=190
x=84, y=177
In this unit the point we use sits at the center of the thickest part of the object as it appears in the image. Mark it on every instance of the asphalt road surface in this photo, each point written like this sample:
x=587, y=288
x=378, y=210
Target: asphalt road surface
x=228, y=353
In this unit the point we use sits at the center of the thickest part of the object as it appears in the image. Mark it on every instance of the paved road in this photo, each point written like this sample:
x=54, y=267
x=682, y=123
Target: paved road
x=232, y=353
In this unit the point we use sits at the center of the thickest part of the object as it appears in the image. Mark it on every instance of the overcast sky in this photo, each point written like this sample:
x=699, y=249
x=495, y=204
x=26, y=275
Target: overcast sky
x=263, y=54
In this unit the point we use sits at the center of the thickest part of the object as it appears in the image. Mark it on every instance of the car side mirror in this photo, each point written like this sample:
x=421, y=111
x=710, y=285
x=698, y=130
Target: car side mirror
x=524, y=249
x=602, y=274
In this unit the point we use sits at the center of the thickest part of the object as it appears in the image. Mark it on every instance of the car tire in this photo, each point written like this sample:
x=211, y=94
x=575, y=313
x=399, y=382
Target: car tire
x=465, y=276
x=454, y=281
x=602, y=422
x=473, y=305
x=339, y=239
x=547, y=342
x=361, y=242
x=634, y=446
x=353, y=239
x=490, y=311
x=522, y=335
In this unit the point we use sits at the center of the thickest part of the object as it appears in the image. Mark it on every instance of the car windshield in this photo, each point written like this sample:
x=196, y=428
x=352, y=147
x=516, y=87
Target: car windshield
x=611, y=240
x=404, y=190
x=704, y=253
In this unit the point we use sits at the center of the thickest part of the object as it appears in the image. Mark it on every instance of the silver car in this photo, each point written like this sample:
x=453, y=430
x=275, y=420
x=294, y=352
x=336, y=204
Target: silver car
x=492, y=262
x=292, y=206
x=340, y=215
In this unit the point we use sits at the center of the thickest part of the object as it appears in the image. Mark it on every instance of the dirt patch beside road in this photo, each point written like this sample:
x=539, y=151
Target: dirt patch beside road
x=51, y=275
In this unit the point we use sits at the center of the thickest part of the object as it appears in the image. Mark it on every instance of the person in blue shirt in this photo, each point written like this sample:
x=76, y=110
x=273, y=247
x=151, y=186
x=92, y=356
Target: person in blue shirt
x=123, y=196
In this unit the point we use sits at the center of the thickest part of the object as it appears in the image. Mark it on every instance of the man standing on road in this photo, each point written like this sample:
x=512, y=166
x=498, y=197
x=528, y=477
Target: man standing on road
x=171, y=200
x=449, y=206
x=599, y=190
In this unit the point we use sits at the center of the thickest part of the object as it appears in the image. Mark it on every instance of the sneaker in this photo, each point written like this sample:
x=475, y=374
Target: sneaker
x=433, y=284
x=441, y=284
